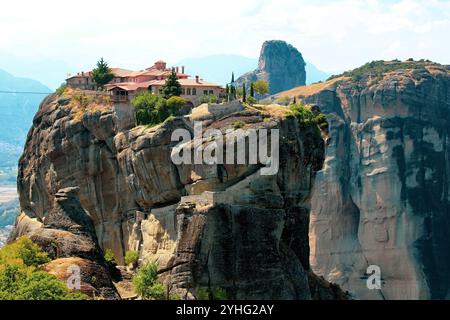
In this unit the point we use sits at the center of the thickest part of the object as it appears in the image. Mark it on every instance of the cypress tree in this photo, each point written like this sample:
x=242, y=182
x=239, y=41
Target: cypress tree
x=252, y=90
x=244, y=93
x=233, y=91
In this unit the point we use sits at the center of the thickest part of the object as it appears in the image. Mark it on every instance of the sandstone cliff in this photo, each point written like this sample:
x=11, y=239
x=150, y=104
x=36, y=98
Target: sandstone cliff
x=221, y=227
x=280, y=64
x=383, y=195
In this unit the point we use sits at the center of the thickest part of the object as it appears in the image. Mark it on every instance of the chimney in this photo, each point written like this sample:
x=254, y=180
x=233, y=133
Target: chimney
x=182, y=69
x=197, y=79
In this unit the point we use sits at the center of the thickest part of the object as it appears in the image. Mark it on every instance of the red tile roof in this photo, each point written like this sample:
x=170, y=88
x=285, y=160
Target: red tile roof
x=133, y=86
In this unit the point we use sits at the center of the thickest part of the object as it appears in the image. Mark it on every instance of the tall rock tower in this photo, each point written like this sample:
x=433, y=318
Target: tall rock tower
x=280, y=64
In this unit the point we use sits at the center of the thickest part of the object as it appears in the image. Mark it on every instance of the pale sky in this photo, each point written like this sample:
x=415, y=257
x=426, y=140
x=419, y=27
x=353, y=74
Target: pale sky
x=333, y=35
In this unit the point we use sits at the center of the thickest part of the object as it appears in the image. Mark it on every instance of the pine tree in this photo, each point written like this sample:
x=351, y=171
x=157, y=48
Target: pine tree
x=295, y=99
x=172, y=87
x=252, y=90
x=244, y=93
x=102, y=73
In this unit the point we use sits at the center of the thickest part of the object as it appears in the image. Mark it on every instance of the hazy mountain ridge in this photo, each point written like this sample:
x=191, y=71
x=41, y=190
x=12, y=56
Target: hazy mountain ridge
x=16, y=115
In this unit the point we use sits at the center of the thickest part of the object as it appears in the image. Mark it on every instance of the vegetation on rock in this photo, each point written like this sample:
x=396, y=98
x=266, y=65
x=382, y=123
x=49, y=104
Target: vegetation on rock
x=306, y=117
x=22, y=279
x=62, y=88
x=146, y=283
x=152, y=109
x=208, y=99
x=284, y=100
x=109, y=257
x=211, y=294
x=82, y=104
x=131, y=257
x=377, y=69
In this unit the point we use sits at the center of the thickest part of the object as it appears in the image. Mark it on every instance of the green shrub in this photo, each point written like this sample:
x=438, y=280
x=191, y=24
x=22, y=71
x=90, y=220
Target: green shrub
x=212, y=294
x=251, y=100
x=109, y=257
x=208, y=99
x=131, y=257
x=146, y=283
x=307, y=118
x=285, y=100
x=152, y=109
x=174, y=297
x=202, y=294
x=175, y=106
x=23, y=250
x=21, y=278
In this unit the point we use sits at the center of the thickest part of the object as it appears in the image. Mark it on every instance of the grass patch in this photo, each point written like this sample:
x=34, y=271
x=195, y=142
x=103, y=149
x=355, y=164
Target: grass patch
x=82, y=103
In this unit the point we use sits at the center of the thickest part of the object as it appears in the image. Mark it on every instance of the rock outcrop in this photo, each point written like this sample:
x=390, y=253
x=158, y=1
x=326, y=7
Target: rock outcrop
x=280, y=64
x=67, y=234
x=383, y=195
x=209, y=227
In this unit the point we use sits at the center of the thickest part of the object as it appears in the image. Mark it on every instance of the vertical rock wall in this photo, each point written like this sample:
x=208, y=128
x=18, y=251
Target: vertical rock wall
x=383, y=195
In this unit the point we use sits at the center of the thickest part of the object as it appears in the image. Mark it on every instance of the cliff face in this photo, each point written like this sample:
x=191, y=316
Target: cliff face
x=221, y=227
x=280, y=64
x=383, y=195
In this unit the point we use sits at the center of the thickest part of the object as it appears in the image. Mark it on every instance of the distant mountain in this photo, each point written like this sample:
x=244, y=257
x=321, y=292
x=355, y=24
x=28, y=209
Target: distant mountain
x=16, y=114
x=49, y=72
x=218, y=68
x=313, y=74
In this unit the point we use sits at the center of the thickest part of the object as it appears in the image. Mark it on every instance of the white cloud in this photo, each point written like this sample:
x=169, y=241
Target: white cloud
x=332, y=34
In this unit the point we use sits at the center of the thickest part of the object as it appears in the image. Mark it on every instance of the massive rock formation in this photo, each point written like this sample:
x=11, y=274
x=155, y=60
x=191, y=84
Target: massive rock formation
x=383, y=195
x=67, y=234
x=280, y=64
x=209, y=227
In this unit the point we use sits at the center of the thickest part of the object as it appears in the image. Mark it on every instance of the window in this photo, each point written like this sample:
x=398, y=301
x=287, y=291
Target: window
x=183, y=91
x=211, y=92
x=205, y=92
x=194, y=91
x=188, y=91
